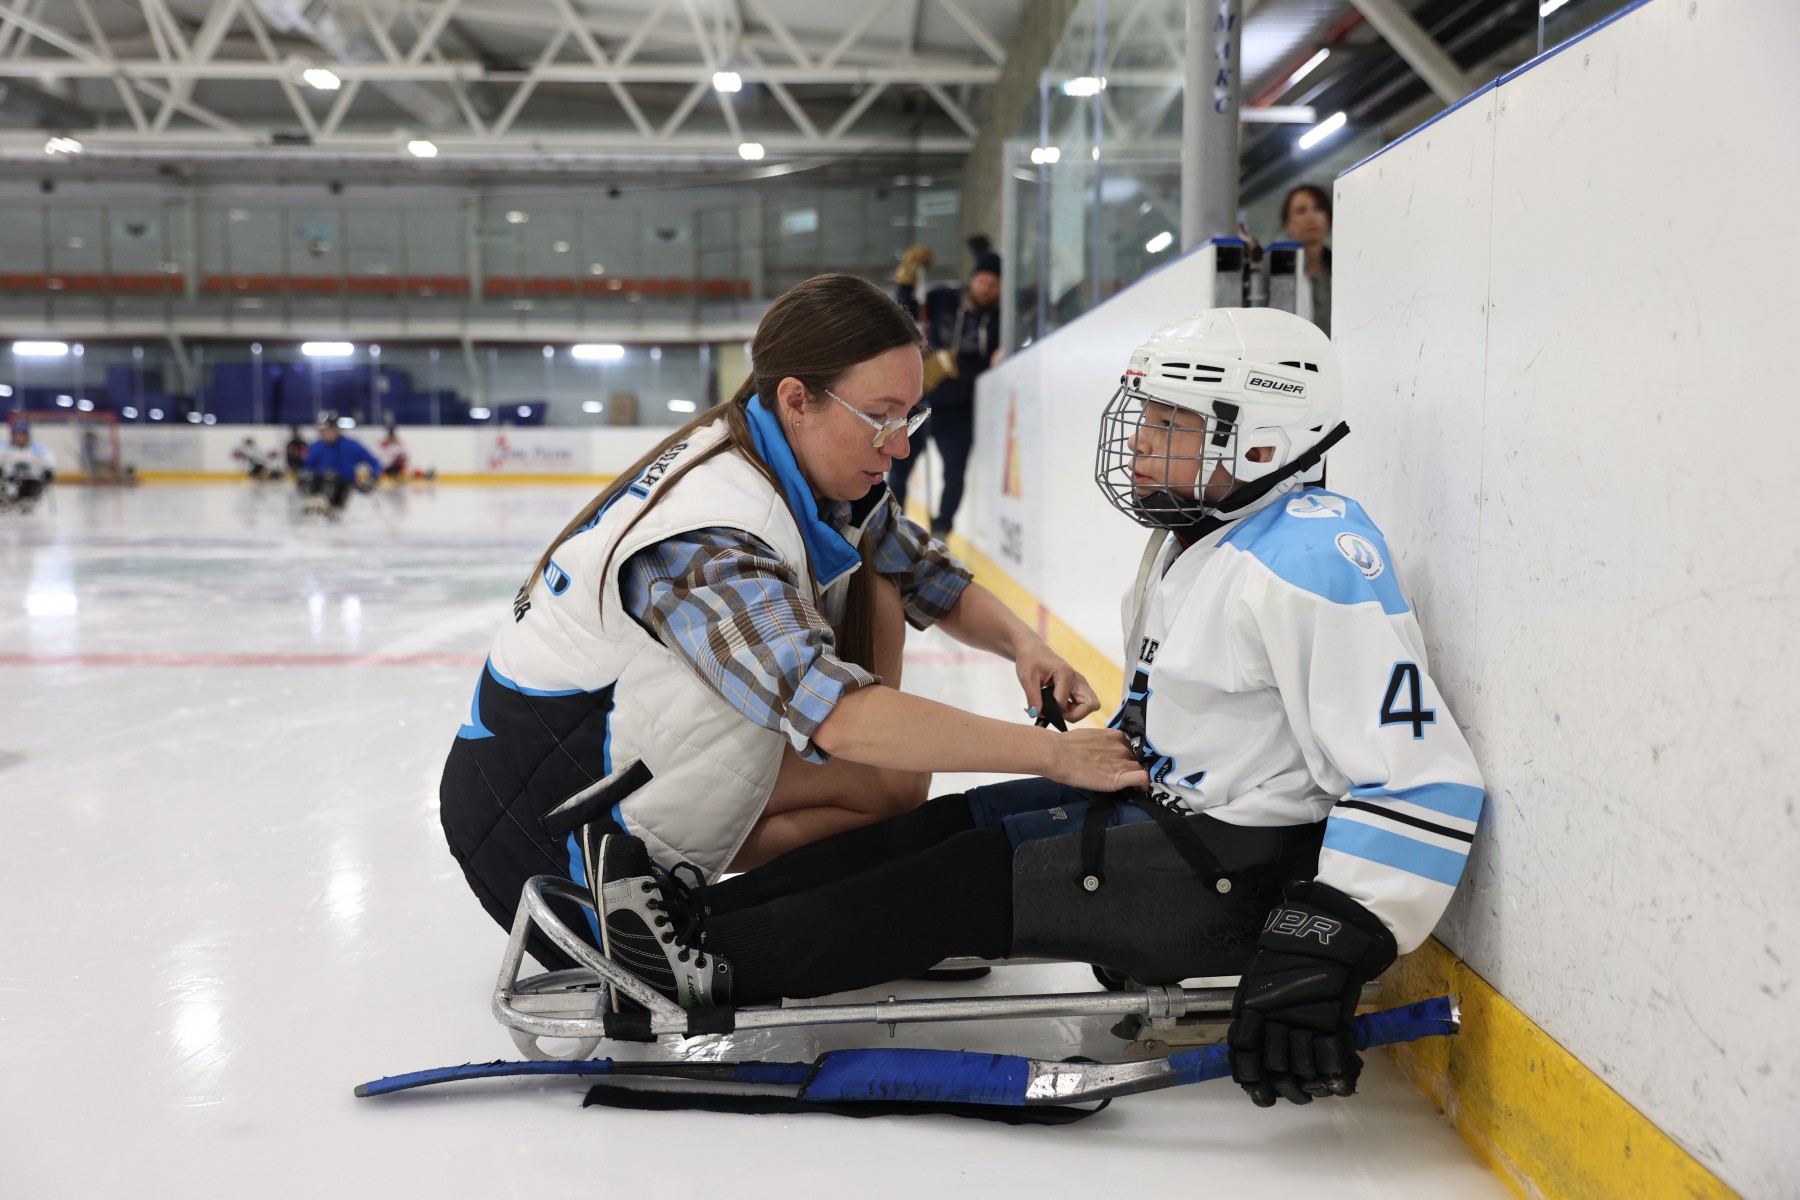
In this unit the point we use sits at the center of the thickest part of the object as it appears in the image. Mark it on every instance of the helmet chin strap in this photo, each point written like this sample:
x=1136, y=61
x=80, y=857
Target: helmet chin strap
x=1244, y=496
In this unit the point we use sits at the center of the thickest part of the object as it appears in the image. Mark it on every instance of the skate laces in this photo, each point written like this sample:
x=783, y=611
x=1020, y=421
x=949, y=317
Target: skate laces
x=681, y=910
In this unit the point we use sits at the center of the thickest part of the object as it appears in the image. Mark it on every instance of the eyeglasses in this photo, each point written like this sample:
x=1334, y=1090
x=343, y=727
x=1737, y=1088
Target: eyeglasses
x=885, y=431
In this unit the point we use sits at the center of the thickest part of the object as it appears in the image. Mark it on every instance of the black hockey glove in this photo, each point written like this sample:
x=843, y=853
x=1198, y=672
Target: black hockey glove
x=1290, y=1035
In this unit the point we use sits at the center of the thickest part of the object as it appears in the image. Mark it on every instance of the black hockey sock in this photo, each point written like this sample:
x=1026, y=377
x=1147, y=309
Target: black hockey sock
x=891, y=922
x=845, y=854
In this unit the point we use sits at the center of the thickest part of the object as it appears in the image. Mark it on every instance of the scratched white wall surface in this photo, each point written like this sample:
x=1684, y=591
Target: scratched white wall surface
x=1566, y=314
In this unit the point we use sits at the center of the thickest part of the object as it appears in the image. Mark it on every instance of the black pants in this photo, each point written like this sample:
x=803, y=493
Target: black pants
x=893, y=899
x=953, y=429
x=334, y=487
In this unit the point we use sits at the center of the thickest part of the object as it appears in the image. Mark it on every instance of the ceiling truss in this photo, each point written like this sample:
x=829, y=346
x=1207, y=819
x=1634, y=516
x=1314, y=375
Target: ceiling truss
x=422, y=57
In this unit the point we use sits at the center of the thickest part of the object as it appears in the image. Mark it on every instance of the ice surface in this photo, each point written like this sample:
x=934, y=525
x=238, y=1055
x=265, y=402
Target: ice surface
x=226, y=901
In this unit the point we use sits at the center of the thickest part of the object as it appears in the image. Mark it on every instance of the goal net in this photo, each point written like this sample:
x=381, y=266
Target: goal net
x=86, y=444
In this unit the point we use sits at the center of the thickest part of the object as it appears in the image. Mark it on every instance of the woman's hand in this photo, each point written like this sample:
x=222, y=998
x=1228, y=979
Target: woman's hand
x=1097, y=760
x=1039, y=665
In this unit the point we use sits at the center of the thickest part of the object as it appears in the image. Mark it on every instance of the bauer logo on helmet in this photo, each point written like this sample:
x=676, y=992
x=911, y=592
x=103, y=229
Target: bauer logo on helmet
x=1275, y=385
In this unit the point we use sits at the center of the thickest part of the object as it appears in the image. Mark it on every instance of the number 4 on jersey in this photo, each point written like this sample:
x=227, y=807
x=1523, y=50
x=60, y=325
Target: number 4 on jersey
x=1406, y=675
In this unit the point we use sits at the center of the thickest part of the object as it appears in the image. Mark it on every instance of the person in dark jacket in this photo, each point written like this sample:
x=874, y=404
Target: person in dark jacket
x=295, y=452
x=962, y=335
x=332, y=466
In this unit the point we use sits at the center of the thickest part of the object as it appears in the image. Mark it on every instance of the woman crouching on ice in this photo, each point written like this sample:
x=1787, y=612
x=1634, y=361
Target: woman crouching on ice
x=708, y=657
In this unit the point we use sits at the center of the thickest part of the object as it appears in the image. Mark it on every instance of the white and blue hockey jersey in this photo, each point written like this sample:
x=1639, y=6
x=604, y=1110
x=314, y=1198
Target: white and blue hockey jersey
x=31, y=461
x=1279, y=678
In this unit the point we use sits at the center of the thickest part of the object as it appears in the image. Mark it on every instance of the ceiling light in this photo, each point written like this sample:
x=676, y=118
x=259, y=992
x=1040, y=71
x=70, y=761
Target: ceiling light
x=40, y=349
x=682, y=406
x=479, y=414
x=750, y=151
x=65, y=402
x=129, y=413
x=1045, y=155
x=1321, y=131
x=560, y=247
x=211, y=418
x=1084, y=85
x=322, y=79
x=156, y=414
x=596, y=268
x=524, y=410
x=346, y=422
x=516, y=216
x=193, y=418
x=1306, y=68
x=727, y=81
x=420, y=148
x=327, y=349
x=592, y=406
x=1159, y=243
x=597, y=352
x=62, y=145
x=84, y=405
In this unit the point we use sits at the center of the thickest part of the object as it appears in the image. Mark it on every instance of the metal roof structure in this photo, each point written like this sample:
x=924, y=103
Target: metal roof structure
x=519, y=85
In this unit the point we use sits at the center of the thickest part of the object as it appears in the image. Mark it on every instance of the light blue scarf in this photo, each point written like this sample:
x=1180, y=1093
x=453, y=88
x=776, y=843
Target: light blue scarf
x=833, y=557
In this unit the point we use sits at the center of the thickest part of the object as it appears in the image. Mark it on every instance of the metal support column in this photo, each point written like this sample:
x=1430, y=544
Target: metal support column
x=1209, y=120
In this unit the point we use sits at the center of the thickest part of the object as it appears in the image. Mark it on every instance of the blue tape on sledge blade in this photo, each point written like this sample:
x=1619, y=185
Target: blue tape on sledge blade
x=952, y=1076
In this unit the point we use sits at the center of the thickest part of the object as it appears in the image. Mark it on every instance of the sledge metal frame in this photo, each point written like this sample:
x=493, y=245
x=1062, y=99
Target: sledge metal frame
x=572, y=1003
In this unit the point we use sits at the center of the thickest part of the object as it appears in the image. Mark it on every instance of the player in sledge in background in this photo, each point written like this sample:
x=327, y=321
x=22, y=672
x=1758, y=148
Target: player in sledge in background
x=27, y=468
x=334, y=465
x=396, y=464
x=1313, y=799
x=257, y=464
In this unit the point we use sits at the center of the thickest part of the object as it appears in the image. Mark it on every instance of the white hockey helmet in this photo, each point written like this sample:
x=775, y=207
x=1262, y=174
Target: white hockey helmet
x=1260, y=377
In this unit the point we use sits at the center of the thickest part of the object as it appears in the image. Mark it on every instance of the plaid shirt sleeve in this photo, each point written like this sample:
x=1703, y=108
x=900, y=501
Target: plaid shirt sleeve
x=929, y=579
x=727, y=605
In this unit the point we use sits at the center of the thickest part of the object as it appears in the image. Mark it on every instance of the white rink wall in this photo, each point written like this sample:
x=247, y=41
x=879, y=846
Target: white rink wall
x=1566, y=321
x=497, y=451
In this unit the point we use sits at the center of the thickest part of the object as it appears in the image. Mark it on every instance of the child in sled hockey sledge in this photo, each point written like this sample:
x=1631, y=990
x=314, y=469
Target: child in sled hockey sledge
x=1310, y=802
x=709, y=654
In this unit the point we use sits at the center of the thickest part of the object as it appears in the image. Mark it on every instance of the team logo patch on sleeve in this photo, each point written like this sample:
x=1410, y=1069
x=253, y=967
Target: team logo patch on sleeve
x=1362, y=554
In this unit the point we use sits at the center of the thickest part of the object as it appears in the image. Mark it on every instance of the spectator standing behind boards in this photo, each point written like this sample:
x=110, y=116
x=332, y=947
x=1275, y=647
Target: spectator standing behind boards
x=1306, y=218
x=962, y=339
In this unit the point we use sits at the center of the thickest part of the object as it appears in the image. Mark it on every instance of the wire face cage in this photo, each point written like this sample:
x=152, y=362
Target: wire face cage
x=1156, y=459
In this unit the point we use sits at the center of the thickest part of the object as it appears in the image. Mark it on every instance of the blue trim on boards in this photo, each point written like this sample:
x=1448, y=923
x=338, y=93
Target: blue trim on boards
x=1457, y=800
x=1479, y=92
x=1557, y=49
x=1394, y=850
x=1505, y=79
